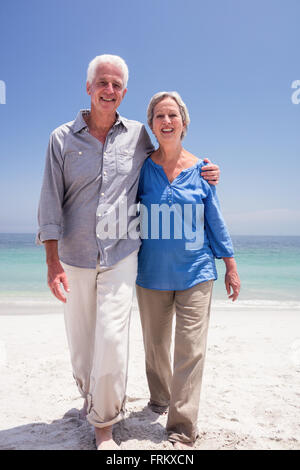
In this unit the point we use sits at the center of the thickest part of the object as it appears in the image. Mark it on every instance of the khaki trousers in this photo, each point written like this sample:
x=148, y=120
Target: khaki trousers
x=180, y=389
x=97, y=317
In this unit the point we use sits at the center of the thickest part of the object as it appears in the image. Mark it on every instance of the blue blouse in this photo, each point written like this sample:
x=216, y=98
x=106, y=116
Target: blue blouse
x=182, y=229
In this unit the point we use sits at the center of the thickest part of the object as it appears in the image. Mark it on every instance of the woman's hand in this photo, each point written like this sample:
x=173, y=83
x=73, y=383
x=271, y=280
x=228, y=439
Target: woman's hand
x=232, y=280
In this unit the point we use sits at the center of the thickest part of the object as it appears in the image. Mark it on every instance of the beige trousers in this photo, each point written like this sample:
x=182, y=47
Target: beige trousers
x=97, y=317
x=180, y=389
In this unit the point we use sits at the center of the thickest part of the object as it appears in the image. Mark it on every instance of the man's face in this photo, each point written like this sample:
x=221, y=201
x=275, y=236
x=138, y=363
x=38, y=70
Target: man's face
x=106, y=89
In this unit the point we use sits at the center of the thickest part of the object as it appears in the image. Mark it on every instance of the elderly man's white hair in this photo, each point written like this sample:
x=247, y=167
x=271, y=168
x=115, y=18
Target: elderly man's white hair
x=107, y=59
x=181, y=105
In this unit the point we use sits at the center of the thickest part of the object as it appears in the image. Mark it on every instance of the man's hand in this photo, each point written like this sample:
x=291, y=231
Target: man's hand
x=56, y=277
x=56, y=274
x=210, y=172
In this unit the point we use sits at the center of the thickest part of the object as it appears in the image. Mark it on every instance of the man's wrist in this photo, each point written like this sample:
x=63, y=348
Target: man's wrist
x=51, y=247
x=52, y=261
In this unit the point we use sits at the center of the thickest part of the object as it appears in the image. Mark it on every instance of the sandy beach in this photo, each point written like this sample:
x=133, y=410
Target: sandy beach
x=250, y=395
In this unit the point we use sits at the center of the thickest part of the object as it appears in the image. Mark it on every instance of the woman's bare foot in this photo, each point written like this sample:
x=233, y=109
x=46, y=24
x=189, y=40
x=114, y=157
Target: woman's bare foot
x=83, y=411
x=104, y=439
x=182, y=445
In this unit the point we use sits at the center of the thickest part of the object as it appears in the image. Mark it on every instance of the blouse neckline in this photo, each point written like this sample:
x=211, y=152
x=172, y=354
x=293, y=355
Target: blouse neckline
x=183, y=172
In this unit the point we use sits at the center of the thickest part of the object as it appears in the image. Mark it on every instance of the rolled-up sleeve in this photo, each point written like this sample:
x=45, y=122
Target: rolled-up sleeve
x=52, y=194
x=215, y=226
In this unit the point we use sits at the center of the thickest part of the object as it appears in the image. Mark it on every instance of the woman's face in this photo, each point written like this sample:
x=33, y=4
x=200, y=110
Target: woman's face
x=167, y=122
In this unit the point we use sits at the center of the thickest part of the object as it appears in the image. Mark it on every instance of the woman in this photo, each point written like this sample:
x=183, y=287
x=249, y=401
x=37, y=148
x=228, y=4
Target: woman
x=182, y=231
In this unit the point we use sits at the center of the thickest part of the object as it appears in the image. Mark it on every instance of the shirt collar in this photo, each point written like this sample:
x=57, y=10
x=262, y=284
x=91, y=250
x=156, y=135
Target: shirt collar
x=80, y=123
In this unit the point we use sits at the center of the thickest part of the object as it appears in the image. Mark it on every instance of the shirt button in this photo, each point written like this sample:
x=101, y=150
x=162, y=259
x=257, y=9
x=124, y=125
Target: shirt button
x=98, y=236
x=104, y=172
x=99, y=215
x=102, y=194
x=105, y=154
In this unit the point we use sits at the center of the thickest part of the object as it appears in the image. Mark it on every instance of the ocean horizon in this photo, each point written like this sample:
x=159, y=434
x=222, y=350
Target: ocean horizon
x=269, y=268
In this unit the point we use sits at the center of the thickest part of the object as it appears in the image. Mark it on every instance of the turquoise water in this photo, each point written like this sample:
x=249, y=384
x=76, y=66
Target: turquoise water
x=22, y=266
x=269, y=268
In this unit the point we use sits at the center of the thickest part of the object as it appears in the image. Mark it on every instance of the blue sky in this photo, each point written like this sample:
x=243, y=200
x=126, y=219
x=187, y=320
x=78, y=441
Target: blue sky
x=232, y=61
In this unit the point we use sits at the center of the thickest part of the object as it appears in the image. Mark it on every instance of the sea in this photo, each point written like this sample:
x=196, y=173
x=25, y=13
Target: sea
x=269, y=268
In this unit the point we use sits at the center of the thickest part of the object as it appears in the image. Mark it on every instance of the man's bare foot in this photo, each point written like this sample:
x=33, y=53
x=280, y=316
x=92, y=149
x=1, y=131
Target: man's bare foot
x=159, y=409
x=182, y=445
x=104, y=439
x=83, y=411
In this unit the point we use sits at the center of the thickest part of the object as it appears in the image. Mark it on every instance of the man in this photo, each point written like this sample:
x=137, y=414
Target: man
x=94, y=163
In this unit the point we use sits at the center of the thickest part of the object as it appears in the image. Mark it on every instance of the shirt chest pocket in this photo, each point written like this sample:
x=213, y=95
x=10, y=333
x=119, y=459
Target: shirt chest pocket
x=82, y=166
x=124, y=160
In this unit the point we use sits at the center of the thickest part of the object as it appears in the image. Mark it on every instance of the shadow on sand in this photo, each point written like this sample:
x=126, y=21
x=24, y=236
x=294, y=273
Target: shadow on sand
x=72, y=433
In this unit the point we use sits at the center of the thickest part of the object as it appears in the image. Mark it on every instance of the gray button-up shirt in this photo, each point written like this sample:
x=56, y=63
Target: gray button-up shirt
x=85, y=182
